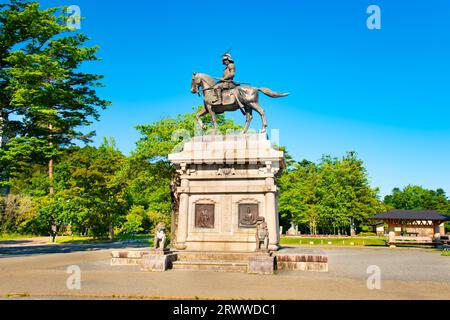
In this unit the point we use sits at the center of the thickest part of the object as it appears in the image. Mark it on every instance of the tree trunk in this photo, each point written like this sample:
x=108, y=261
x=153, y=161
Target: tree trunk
x=109, y=221
x=50, y=167
x=352, y=227
x=50, y=176
x=3, y=135
x=52, y=190
x=111, y=231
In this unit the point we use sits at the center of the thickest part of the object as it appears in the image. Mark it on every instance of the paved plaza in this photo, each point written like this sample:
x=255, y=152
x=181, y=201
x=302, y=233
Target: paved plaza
x=406, y=273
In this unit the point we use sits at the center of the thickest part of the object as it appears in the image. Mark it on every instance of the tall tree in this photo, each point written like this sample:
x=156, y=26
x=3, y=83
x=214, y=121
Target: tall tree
x=40, y=79
x=89, y=193
x=328, y=197
x=347, y=199
x=299, y=198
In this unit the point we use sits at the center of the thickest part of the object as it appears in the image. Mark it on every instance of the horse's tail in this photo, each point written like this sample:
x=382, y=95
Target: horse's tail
x=272, y=94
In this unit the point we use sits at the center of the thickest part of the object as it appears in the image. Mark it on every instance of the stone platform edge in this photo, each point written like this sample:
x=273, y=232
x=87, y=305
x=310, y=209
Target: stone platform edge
x=163, y=262
x=302, y=262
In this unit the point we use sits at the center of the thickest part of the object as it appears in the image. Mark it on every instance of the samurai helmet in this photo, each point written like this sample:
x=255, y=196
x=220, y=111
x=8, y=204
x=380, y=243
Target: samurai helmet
x=228, y=57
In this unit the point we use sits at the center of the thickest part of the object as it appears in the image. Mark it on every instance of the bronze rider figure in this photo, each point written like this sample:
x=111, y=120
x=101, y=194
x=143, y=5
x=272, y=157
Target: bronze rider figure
x=226, y=82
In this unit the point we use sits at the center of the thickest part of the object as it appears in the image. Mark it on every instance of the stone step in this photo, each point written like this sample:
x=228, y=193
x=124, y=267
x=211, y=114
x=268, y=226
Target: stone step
x=214, y=256
x=219, y=266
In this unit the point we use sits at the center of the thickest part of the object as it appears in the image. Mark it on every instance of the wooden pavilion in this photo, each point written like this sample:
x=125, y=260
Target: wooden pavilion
x=413, y=226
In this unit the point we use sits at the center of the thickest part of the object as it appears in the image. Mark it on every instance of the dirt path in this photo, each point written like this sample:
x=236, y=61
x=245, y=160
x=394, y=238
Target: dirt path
x=36, y=241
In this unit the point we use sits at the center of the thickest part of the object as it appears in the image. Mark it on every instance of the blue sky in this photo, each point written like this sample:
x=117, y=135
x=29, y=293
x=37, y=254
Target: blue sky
x=383, y=93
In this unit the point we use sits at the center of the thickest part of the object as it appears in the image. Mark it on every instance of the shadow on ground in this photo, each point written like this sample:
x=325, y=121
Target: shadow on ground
x=14, y=242
x=66, y=248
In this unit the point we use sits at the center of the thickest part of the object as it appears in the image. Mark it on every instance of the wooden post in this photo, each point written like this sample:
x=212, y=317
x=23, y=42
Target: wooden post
x=442, y=229
x=437, y=233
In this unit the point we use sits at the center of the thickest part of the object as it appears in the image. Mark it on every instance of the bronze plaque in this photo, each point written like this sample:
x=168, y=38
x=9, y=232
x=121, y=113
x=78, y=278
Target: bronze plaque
x=248, y=214
x=204, y=216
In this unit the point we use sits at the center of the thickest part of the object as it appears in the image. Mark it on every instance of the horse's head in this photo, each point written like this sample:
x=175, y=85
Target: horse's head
x=196, y=83
x=201, y=80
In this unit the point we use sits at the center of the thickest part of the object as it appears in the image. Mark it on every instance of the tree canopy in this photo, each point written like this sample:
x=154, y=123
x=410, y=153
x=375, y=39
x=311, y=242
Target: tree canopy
x=418, y=198
x=99, y=191
x=45, y=98
x=330, y=196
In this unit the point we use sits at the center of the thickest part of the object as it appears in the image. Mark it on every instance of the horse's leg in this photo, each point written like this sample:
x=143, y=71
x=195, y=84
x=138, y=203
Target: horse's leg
x=249, y=119
x=213, y=117
x=260, y=110
x=199, y=115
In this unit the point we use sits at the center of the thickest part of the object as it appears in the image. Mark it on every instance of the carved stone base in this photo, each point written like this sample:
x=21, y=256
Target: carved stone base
x=302, y=260
x=159, y=252
x=227, y=182
x=157, y=261
x=126, y=258
x=261, y=264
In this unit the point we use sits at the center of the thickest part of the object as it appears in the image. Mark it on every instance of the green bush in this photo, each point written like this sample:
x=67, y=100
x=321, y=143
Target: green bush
x=17, y=214
x=133, y=224
x=367, y=234
x=365, y=228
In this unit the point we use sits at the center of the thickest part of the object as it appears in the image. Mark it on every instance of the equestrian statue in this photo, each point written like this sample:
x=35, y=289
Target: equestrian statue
x=227, y=95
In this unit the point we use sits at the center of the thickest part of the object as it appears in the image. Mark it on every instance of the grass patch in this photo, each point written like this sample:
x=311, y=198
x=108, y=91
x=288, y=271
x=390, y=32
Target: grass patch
x=445, y=253
x=356, y=241
x=137, y=238
x=140, y=238
x=79, y=240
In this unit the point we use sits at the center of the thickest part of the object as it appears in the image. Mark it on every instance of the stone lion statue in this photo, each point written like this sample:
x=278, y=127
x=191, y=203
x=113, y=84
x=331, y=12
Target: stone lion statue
x=262, y=235
x=160, y=236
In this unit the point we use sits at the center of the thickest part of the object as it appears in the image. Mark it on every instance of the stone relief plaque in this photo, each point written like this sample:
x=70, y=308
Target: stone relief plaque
x=204, y=216
x=248, y=215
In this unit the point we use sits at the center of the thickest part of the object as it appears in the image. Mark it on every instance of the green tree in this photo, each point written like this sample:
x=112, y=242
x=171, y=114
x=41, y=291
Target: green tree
x=16, y=214
x=41, y=85
x=92, y=194
x=299, y=199
x=347, y=199
x=418, y=198
x=331, y=196
x=133, y=223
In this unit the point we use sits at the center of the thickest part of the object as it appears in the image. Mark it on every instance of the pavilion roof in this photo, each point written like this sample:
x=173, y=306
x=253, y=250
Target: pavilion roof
x=411, y=215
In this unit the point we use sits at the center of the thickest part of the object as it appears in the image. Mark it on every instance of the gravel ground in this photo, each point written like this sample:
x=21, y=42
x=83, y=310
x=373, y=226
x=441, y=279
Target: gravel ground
x=405, y=274
x=395, y=264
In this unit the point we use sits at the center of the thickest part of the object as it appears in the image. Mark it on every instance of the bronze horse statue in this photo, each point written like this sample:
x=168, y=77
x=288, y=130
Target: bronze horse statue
x=244, y=98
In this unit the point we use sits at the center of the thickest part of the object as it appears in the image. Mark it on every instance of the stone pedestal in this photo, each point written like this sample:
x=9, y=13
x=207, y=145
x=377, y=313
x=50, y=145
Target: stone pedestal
x=126, y=257
x=293, y=230
x=261, y=264
x=158, y=260
x=300, y=259
x=227, y=182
